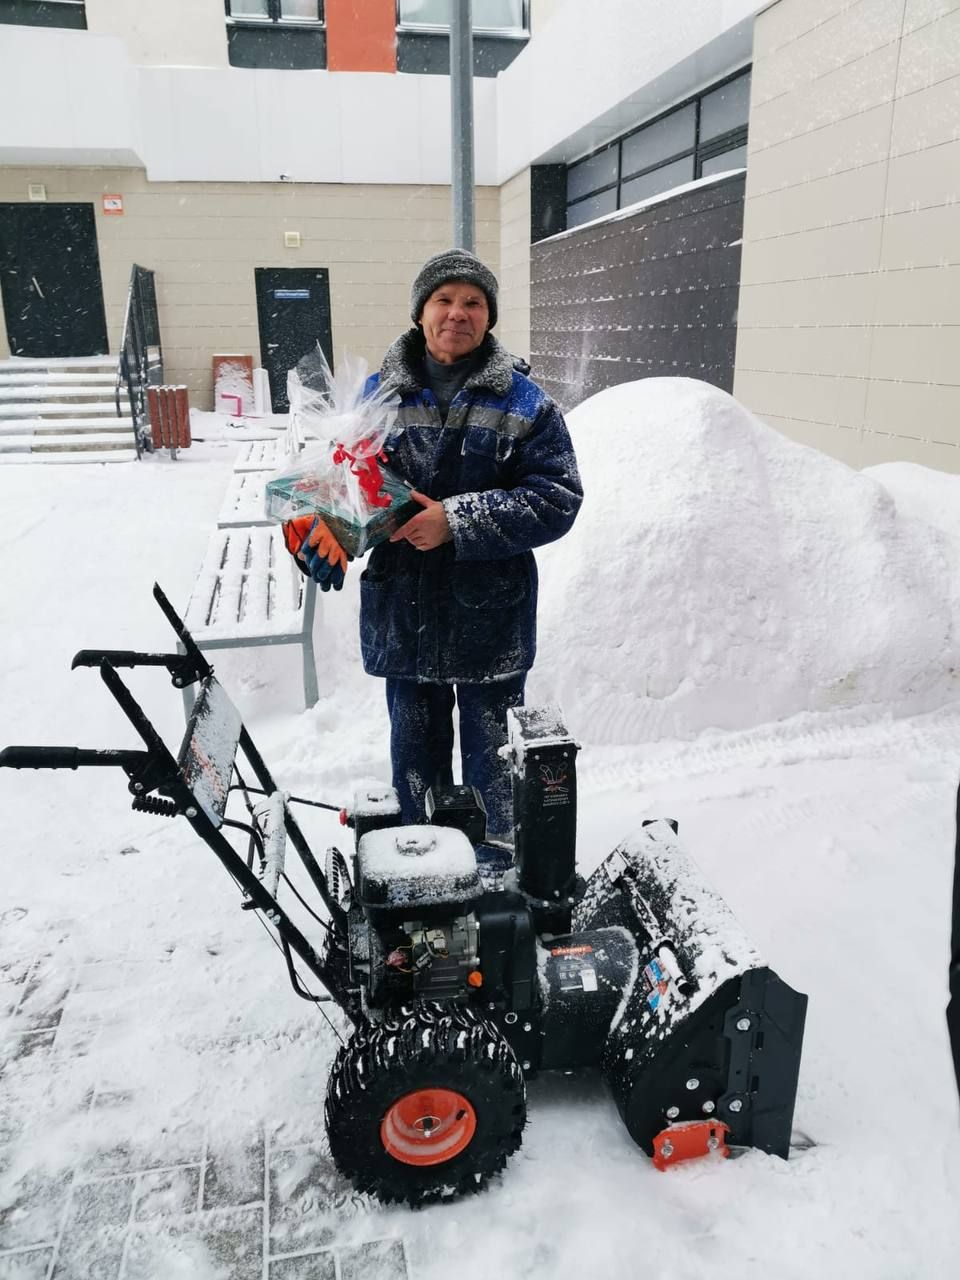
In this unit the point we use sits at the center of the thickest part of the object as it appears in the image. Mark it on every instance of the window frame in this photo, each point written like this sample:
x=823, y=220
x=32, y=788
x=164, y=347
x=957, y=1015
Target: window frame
x=274, y=18
x=443, y=29
x=699, y=151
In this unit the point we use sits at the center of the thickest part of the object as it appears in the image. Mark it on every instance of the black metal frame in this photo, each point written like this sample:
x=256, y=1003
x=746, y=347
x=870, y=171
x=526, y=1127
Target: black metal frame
x=700, y=152
x=140, y=360
x=158, y=784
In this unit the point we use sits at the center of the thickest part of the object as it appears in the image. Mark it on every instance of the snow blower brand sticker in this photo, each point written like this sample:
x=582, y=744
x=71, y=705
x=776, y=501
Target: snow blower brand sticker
x=556, y=785
x=657, y=983
x=574, y=971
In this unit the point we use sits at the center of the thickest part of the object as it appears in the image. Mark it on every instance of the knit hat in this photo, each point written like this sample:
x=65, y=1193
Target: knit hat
x=453, y=264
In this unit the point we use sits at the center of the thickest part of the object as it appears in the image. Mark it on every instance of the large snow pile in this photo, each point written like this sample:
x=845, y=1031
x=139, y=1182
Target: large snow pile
x=723, y=576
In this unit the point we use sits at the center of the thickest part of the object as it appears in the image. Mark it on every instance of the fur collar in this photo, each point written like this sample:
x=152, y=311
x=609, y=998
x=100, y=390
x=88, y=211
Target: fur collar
x=402, y=367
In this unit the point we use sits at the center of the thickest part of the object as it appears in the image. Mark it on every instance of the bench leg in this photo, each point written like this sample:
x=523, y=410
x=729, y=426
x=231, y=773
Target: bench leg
x=310, y=691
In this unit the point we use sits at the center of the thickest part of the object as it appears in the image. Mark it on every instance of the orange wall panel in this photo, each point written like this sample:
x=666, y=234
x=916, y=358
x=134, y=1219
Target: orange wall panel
x=361, y=35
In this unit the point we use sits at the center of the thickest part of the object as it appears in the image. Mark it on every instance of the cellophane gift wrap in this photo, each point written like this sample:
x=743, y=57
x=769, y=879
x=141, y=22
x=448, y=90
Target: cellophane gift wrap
x=340, y=474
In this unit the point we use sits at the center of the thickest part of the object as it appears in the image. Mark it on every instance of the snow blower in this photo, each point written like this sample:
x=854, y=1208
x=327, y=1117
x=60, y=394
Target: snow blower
x=466, y=968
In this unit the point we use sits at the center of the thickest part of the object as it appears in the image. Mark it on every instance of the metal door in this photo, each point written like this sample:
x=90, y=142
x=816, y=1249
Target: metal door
x=293, y=310
x=50, y=278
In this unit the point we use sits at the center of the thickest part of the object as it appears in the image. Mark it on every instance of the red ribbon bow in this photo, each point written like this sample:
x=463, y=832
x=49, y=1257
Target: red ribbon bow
x=364, y=466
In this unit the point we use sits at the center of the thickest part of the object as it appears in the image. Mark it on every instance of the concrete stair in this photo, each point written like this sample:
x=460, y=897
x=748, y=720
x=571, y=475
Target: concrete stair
x=63, y=411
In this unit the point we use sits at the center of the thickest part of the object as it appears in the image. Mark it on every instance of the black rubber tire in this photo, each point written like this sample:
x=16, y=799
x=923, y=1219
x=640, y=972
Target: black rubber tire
x=424, y=1046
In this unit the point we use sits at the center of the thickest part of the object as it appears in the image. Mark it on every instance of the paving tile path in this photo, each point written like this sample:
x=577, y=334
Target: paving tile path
x=186, y=1204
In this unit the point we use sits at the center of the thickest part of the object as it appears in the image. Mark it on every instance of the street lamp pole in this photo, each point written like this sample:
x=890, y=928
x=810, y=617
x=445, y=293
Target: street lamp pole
x=461, y=122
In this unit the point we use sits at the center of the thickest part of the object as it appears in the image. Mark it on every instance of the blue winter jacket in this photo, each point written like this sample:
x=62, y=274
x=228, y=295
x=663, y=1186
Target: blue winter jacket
x=504, y=468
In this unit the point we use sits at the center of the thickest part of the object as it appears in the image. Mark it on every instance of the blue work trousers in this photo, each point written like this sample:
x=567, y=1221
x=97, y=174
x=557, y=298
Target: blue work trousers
x=421, y=743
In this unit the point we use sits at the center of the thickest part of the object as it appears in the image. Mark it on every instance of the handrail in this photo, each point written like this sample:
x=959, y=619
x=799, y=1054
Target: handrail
x=140, y=354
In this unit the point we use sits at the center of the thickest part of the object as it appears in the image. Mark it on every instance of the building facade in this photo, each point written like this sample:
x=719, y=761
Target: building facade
x=762, y=196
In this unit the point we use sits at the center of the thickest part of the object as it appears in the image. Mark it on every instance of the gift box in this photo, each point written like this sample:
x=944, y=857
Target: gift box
x=357, y=527
x=341, y=474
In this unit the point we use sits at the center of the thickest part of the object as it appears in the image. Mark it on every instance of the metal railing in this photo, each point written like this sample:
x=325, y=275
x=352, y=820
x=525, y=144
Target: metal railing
x=140, y=359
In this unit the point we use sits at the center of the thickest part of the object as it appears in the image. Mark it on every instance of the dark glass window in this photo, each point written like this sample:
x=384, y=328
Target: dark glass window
x=286, y=35
x=43, y=13
x=704, y=135
x=592, y=207
x=659, y=142
x=592, y=174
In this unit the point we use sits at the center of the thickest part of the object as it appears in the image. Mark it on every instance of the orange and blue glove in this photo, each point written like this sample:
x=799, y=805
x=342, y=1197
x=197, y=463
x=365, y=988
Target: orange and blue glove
x=316, y=551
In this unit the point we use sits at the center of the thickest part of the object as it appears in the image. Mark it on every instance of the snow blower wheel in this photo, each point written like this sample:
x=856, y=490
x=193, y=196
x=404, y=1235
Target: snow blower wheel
x=465, y=966
x=425, y=1107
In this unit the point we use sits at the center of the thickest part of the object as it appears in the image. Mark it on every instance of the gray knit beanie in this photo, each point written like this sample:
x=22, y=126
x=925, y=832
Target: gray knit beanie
x=453, y=264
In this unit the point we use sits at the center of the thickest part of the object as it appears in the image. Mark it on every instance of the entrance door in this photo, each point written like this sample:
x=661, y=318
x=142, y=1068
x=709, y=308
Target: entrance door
x=293, y=309
x=50, y=279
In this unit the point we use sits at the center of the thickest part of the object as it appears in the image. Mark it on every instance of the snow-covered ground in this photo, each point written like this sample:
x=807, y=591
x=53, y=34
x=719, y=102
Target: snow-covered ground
x=745, y=635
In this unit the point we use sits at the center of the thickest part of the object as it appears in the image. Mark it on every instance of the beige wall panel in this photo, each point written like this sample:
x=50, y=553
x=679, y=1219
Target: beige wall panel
x=879, y=446
x=933, y=413
x=832, y=351
x=230, y=293
x=917, y=13
x=515, y=238
x=926, y=118
x=869, y=194
x=860, y=140
x=388, y=295
x=921, y=296
x=205, y=240
x=832, y=251
x=846, y=37
x=924, y=178
x=842, y=443
x=927, y=354
x=852, y=89
x=381, y=274
x=922, y=238
x=930, y=54
x=850, y=196
x=783, y=23
x=514, y=326
x=802, y=396
x=845, y=299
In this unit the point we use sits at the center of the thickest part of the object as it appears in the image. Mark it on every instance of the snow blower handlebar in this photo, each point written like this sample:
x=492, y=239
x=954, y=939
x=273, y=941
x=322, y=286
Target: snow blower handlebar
x=198, y=782
x=67, y=758
x=185, y=668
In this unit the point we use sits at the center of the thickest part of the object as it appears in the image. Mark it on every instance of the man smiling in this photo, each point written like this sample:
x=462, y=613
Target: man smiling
x=448, y=605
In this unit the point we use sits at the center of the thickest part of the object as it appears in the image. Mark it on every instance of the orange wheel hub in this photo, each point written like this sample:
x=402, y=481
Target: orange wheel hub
x=428, y=1126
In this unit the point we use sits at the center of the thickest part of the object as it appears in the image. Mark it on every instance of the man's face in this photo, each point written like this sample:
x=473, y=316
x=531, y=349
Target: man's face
x=455, y=319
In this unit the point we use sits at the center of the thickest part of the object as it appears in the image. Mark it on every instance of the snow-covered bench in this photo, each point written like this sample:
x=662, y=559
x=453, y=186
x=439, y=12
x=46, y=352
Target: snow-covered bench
x=268, y=455
x=243, y=501
x=249, y=592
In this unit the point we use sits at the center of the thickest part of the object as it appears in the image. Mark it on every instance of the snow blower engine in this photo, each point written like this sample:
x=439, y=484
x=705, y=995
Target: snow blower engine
x=466, y=968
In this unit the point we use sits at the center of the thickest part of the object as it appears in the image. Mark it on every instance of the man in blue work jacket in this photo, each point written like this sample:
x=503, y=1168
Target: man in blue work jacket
x=448, y=605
